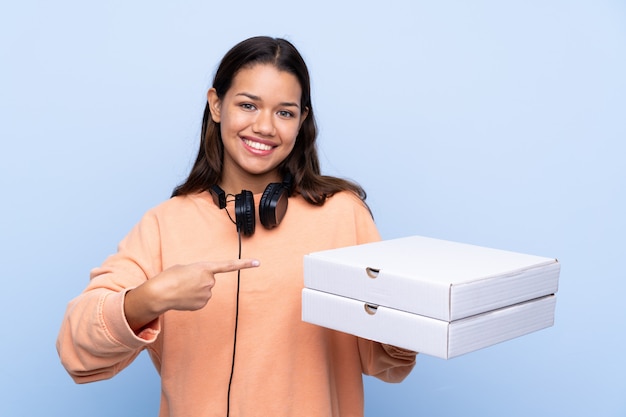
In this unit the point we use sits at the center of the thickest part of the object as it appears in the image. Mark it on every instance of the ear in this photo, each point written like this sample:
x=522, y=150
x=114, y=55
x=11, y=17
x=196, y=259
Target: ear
x=303, y=116
x=215, y=105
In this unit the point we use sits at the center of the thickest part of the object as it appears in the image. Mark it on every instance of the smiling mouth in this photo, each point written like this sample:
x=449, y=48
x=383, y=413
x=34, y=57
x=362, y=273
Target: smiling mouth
x=257, y=145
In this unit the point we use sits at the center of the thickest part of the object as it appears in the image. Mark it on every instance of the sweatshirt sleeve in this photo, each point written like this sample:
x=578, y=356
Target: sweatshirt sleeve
x=95, y=341
x=385, y=362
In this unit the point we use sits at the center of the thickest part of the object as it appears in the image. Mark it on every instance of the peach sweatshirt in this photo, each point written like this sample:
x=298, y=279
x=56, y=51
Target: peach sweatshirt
x=284, y=367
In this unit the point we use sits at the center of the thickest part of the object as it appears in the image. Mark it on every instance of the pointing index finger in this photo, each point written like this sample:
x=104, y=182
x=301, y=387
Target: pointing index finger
x=234, y=265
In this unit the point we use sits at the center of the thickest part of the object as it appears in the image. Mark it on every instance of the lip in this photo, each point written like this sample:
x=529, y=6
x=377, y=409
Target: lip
x=248, y=141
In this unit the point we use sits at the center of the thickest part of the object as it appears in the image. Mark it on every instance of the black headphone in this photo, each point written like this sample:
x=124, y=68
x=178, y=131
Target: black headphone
x=272, y=207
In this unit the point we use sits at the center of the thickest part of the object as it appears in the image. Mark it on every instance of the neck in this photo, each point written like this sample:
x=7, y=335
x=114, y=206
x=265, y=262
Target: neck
x=254, y=183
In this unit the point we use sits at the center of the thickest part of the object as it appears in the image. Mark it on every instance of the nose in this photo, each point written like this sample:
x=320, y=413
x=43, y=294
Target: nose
x=264, y=124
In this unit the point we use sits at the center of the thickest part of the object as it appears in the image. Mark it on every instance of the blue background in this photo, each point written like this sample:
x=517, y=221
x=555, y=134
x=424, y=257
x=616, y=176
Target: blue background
x=494, y=123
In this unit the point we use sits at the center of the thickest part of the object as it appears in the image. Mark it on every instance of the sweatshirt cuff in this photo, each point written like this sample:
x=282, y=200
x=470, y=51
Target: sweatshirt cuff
x=117, y=327
x=399, y=353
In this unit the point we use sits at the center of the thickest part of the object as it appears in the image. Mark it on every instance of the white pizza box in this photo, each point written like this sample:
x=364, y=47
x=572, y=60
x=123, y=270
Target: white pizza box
x=434, y=278
x=422, y=334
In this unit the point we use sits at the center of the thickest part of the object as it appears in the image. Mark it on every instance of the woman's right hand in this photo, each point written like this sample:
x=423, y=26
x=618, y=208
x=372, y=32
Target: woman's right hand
x=180, y=287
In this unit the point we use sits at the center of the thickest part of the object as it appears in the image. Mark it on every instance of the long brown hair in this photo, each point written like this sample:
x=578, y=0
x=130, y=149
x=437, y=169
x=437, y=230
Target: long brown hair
x=302, y=163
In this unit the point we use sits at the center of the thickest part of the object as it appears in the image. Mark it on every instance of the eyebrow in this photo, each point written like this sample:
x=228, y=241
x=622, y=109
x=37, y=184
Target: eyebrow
x=257, y=98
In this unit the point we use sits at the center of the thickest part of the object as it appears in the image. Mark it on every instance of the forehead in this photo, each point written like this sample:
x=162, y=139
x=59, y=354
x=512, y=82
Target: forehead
x=266, y=80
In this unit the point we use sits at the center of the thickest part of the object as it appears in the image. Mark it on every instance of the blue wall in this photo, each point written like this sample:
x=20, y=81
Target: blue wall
x=494, y=123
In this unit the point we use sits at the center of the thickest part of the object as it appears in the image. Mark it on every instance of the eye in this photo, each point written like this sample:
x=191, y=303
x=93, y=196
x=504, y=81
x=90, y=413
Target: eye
x=247, y=106
x=286, y=114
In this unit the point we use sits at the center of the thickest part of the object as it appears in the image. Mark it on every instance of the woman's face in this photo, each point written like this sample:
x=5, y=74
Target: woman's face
x=259, y=117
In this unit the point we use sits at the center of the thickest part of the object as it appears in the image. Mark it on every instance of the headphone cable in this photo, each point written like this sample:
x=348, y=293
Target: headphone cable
x=232, y=368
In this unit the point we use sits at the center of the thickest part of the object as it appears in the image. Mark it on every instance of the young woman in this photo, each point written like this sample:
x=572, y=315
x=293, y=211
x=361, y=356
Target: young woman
x=210, y=281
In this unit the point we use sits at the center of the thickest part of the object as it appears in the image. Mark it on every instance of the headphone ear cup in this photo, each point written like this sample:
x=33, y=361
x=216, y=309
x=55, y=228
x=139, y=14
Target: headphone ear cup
x=244, y=212
x=273, y=205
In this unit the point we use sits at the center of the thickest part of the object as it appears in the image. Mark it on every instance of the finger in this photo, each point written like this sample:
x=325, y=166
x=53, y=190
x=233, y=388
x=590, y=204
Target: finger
x=233, y=265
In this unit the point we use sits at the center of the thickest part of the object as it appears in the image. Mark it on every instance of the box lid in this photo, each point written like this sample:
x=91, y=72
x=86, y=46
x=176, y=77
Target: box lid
x=431, y=277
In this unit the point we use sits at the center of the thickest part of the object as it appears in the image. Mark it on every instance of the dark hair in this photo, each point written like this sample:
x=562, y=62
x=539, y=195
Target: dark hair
x=302, y=163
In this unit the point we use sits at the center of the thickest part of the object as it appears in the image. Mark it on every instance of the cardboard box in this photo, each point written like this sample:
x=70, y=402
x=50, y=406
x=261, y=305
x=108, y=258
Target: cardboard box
x=438, y=297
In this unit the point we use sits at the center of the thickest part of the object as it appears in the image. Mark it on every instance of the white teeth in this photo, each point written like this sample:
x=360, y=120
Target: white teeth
x=257, y=145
